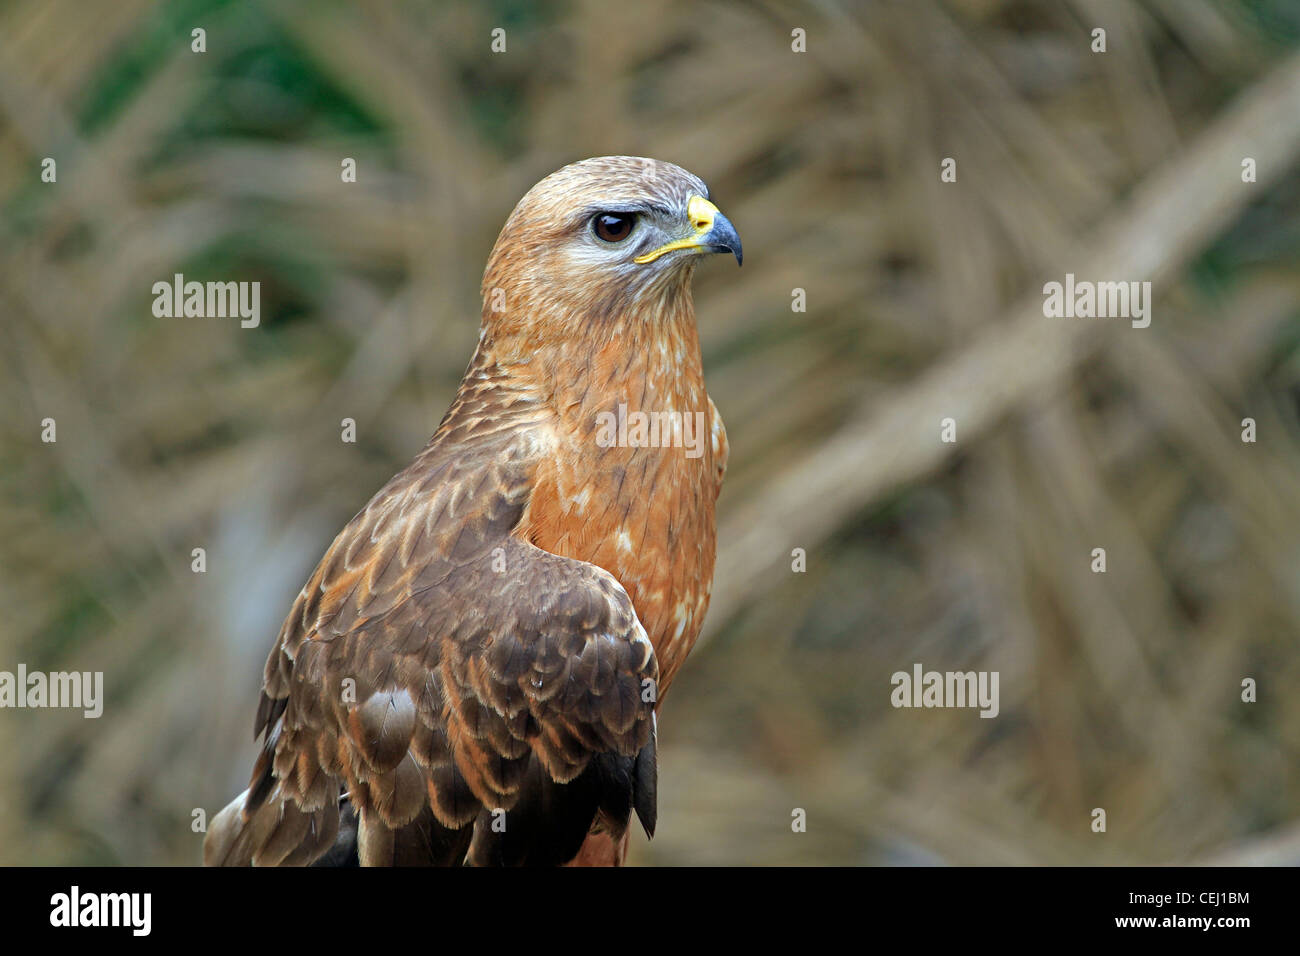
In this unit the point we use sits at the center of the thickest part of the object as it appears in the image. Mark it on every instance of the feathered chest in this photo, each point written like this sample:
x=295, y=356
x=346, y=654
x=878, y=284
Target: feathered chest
x=630, y=486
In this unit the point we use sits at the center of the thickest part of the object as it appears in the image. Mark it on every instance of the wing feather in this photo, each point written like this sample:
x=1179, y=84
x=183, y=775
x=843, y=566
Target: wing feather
x=453, y=682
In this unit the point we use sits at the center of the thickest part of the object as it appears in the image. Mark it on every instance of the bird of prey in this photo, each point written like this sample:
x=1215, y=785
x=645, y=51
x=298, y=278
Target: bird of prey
x=472, y=673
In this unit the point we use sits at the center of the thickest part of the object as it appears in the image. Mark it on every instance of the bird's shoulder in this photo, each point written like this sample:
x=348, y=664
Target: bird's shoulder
x=433, y=644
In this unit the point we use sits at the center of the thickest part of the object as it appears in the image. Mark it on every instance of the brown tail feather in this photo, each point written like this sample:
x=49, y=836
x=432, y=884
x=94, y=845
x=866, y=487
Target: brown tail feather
x=277, y=833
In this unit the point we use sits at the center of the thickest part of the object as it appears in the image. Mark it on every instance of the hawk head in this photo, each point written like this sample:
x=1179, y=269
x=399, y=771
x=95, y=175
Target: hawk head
x=602, y=238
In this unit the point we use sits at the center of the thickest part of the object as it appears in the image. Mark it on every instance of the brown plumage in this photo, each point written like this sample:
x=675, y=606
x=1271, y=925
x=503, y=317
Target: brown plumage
x=473, y=670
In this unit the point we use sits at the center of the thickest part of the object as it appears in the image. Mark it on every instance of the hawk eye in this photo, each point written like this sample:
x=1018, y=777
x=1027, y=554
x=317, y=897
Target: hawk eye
x=613, y=226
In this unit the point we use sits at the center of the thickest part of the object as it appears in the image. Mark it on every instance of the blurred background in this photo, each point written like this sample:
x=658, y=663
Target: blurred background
x=1119, y=690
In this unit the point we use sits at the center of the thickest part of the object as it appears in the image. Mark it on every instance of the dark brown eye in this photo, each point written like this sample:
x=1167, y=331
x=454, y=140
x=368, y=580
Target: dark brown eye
x=613, y=226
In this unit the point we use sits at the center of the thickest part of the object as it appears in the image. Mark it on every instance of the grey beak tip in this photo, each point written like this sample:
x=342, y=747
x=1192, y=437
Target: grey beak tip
x=724, y=238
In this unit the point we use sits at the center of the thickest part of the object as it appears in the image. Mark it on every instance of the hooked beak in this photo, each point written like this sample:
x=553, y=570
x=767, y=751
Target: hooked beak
x=711, y=231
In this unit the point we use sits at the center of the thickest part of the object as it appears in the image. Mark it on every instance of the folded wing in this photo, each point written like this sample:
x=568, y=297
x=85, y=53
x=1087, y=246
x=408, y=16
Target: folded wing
x=443, y=691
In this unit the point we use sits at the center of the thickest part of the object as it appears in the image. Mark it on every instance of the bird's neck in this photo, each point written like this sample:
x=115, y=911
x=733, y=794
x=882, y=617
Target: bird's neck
x=642, y=357
x=625, y=476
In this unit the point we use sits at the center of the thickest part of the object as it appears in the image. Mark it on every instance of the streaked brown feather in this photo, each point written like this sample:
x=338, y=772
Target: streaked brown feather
x=429, y=687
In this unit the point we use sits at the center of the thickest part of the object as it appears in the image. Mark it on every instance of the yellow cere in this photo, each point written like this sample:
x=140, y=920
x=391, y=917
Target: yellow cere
x=701, y=213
